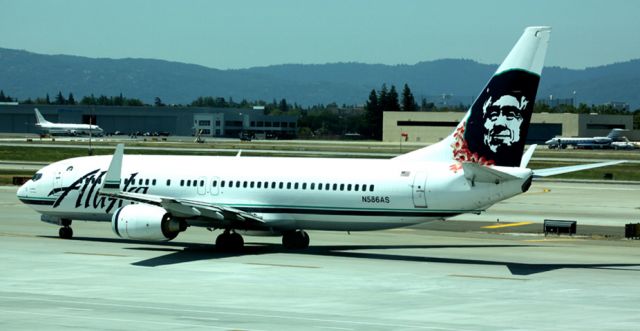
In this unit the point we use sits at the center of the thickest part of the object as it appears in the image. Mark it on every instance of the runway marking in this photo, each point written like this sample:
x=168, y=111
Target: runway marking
x=489, y=277
x=551, y=239
x=331, y=328
x=97, y=254
x=221, y=312
x=506, y=225
x=283, y=265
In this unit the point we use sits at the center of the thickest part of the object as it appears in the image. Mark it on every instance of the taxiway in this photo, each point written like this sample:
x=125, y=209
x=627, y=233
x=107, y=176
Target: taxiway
x=419, y=278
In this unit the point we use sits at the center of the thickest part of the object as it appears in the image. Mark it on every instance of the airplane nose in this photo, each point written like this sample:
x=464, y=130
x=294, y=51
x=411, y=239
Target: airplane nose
x=22, y=190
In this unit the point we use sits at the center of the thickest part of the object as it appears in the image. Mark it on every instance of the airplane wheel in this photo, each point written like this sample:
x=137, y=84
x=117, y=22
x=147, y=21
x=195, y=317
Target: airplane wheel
x=65, y=232
x=298, y=239
x=229, y=242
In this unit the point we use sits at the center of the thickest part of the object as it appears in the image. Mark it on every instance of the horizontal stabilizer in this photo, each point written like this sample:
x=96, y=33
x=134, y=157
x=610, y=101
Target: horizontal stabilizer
x=475, y=172
x=573, y=168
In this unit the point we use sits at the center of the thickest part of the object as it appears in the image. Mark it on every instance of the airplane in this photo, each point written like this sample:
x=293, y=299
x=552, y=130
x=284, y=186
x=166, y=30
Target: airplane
x=66, y=128
x=585, y=142
x=156, y=197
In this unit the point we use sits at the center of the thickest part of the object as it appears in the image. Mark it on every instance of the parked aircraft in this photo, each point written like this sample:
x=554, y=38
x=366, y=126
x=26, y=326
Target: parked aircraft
x=66, y=128
x=155, y=197
x=585, y=142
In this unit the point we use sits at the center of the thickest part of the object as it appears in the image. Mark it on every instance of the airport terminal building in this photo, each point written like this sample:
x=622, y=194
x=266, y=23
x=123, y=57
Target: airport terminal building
x=432, y=127
x=181, y=121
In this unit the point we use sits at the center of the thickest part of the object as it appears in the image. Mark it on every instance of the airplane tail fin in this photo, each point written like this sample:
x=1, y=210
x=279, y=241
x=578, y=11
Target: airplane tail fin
x=494, y=130
x=39, y=118
x=615, y=134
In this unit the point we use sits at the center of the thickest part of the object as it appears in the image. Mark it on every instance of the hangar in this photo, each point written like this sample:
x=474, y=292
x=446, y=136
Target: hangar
x=431, y=127
x=182, y=121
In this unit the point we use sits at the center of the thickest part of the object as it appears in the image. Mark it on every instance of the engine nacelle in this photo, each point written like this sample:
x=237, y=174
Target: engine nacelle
x=145, y=222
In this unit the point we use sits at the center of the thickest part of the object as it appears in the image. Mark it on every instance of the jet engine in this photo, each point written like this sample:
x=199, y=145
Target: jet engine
x=146, y=222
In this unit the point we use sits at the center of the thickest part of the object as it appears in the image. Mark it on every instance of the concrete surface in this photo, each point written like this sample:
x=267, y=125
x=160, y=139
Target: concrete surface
x=402, y=279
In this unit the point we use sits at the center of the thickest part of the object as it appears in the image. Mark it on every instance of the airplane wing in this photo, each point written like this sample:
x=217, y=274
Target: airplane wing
x=562, y=170
x=183, y=208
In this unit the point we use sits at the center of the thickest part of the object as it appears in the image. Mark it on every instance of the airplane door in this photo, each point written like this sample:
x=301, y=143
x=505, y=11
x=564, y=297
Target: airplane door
x=202, y=185
x=215, y=186
x=419, y=189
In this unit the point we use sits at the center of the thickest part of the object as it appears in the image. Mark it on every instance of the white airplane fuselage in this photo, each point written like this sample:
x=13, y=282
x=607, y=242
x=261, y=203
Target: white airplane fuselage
x=69, y=128
x=286, y=193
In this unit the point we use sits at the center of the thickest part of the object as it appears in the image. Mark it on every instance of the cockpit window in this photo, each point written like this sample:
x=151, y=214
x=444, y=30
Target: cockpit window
x=36, y=176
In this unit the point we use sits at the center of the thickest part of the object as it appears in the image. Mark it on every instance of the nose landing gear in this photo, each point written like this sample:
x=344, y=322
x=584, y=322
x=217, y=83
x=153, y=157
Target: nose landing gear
x=298, y=239
x=65, y=232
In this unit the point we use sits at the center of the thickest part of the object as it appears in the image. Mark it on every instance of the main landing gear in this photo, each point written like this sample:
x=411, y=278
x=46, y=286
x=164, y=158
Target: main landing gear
x=229, y=241
x=297, y=239
x=65, y=232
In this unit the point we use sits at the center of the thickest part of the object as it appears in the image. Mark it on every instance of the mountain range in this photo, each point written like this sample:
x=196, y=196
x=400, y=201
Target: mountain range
x=29, y=75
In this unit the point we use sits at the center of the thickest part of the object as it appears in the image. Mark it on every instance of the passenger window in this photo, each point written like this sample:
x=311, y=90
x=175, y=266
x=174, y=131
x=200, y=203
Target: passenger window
x=251, y=184
x=319, y=186
x=304, y=186
x=335, y=187
x=189, y=182
x=273, y=185
x=312, y=186
x=202, y=183
x=153, y=182
x=266, y=184
x=244, y=184
x=288, y=185
x=259, y=184
x=341, y=187
x=349, y=187
x=182, y=182
x=371, y=188
x=357, y=187
x=295, y=186
x=237, y=183
x=222, y=183
x=215, y=183
x=281, y=185
x=140, y=181
x=168, y=182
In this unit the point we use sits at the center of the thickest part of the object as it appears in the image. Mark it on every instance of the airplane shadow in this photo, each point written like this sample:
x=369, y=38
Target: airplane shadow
x=182, y=252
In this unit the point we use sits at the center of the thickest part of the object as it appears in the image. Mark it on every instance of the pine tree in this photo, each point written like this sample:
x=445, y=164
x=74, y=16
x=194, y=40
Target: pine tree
x=392, y=99
x=59, y=99
x=408, y=101
x=373, y=125
x=71, y=100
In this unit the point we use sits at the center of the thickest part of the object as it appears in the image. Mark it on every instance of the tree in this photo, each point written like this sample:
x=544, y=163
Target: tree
x=71, y=100
x=392, y=99
x=158, y=103
x=373, y=109
x=283, y=106
x=408, y=101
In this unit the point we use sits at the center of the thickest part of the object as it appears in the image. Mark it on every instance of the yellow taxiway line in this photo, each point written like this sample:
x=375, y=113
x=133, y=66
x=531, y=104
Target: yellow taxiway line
x=506, y=225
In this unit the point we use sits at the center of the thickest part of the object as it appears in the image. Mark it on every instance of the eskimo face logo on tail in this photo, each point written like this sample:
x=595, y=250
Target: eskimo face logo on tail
x=503, y=119
x=496, y=128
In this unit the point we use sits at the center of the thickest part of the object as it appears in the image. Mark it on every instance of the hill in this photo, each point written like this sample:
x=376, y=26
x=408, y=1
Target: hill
x=24, y=74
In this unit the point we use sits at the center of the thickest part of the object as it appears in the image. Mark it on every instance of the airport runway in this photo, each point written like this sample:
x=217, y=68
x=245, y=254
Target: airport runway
x=404, y=279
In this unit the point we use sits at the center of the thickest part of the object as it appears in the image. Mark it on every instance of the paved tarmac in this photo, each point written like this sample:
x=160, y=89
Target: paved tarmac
x=420, y=278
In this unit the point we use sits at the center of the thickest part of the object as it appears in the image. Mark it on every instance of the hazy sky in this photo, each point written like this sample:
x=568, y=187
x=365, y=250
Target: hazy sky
x=248, y=33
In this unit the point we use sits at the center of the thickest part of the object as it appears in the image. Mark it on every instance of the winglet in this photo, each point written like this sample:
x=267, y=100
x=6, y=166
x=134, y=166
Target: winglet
x=112, y=178
x=527, y=156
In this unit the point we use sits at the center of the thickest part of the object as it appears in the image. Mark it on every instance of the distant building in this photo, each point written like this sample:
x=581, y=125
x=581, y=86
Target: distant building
x=430, y=127
x=181, y=121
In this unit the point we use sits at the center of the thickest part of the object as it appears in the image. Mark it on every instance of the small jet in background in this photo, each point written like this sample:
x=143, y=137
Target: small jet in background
x=586, y=142
x=66, y=128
